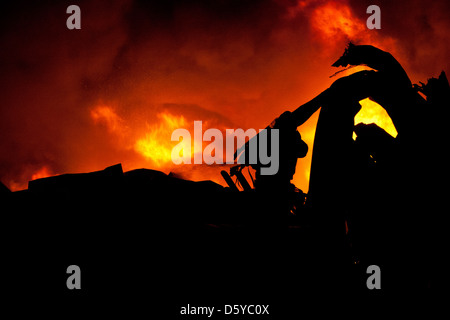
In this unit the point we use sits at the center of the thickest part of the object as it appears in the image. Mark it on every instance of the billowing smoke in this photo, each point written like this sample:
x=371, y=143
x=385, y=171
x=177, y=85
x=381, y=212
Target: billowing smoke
x=80, y=100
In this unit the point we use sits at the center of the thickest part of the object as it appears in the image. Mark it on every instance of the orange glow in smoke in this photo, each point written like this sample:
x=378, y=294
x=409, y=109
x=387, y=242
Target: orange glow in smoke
x=156, y=145
x=335, y=20
x=241, y=71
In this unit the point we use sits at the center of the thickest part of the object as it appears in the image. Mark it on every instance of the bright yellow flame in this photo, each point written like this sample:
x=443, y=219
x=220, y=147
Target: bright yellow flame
x=156, y=145
x=372, y=112
x=333, y=20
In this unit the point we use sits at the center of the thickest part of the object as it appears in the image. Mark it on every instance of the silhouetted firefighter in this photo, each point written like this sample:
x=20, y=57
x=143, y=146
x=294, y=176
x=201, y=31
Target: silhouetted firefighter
x=370, y=187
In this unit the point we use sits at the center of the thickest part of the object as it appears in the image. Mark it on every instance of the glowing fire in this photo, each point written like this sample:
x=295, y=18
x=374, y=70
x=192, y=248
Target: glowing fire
x=221, y=66
x=156, y=145
x=44, y=172
x=372, y=112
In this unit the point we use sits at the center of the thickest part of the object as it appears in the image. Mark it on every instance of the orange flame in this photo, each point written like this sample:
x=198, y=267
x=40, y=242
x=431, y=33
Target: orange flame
x=372, y=112
x=29, y=175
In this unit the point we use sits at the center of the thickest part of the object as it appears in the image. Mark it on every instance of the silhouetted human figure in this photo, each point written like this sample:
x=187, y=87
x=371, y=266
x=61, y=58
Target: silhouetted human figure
x=374, y=181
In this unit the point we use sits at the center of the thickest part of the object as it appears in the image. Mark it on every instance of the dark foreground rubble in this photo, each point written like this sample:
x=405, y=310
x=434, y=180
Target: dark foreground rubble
x=144, y=239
